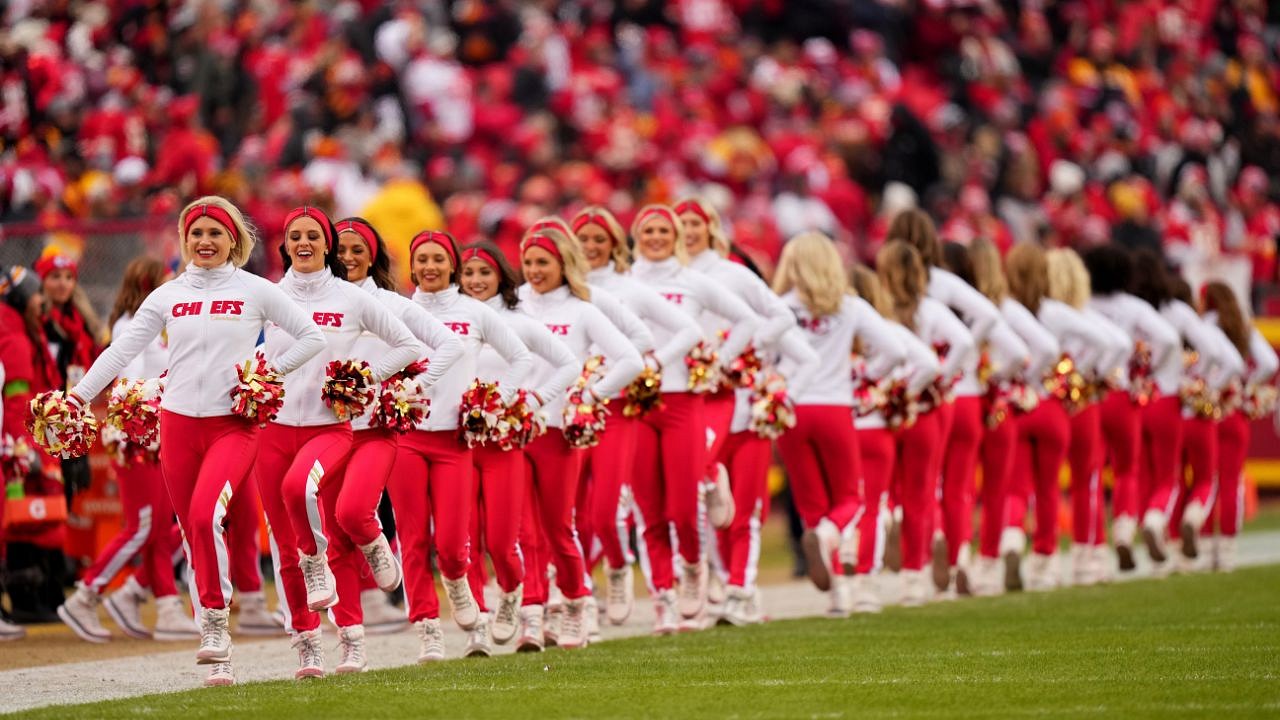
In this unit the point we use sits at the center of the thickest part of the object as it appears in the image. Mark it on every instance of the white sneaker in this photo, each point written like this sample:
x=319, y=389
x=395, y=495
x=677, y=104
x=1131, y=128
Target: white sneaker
x=310, y=654
x=554, y=619
x=863, y=596
x=733, y=612
x=506, y=621
x=383, y=563
x=720, y=507
x=984, y=577
x=1189, y=529
x=322, y=592
x=215, y=637
x=716, y=594
x=220, y=675
x=478, y=644
x=254, y=619
x=1123, y=531
x=620, y=594
x=839, y=596
x=461, y=605
x=591, y=618
x=573, y=628
x=432, y=640
x=753, y=607
x=9, y=631
x=125, y=608
x=351, y=643
x=380, y=616
x=664, y=613
x=80, y=613
x=1013, y=542
x=962, y=573
x=819, y=544
x=915, y=588
x=1154, y=526
x=173, y=622
x=1103, y=564
x=692, y=591
x=531, y=633
x=1083, y=567
x=1225, y=554
x=893, y=541
x=1042, y=572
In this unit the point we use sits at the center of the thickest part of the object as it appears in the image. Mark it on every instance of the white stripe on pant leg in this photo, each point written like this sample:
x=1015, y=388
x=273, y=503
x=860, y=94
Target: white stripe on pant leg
x=884, y=516
x=220, y=542
x=645, y=569
x=126, y=551
x=1173, y=498
x=753, y=548
x=620, y=526
x=586, y=563
x=1213, y=497
x=281, y=601
x=190, y=574
x=314, y=523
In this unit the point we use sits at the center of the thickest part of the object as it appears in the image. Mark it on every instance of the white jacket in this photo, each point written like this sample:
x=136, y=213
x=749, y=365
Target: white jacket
x=1141, y=321
x=151, y=362
x=545, y=346
x=681, y=331
x=936, y=325
x=739, y=280
x=919, y=368
x=980, y=316
x=832, y=336
x=1218, y=361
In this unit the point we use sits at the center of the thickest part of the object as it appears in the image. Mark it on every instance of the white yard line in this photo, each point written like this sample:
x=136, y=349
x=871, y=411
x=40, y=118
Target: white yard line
x=259, y=659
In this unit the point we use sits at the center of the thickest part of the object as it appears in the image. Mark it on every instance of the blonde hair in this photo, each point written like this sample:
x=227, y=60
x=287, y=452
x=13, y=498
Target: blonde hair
x=1068, y=277
x=1028, y=275
x=599, y=215
x=681, y=252
x=988, y=275
x=573, y=263
x=811, y=266
x=715, y=227
x=866, y=284
x=902, y=272
x=245, y=238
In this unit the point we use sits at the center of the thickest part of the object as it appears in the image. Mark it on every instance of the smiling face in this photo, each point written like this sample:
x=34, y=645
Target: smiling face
x=355, y=255
x=304, y=241
x=208, y=243
x=657, y=240
x=479, y=279
x=542, y=270
x=597, y=246
x=431, y=267
x=697, y=234
x=59, y=285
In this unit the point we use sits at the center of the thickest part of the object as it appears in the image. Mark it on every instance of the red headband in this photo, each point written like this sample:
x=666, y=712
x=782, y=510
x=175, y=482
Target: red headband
x=661, y=212
x=693, y=206
x=588, y=218
x=366, y=234
x=482, y=255
x=316, y=214
x=541, y=241
x=439, y=238
x=544, y=224
x=211, y=211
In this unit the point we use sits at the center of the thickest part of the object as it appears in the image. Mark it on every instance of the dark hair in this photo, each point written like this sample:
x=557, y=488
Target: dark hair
x=142, y=275
x=1219, y=298
x=1110, y=269
x=508, y=280
x=1181, y=291
x=1151, y=281
x=955, y=257
x=380, y=270
x=330, y=253
x=914, y=227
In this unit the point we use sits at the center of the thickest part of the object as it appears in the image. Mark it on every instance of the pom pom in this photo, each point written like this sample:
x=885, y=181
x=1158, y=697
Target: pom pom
x=17, y=458
x=584, y=419
x=644, y=394
x=402, y=404
x=1142, y=385
x=348, y=388
x=479, y=413
x=704, y=369
x=868, y=396
x=743, y=371
x=772, y=412
x=412, y=370
x=60, y=428
x=1260, y=401
x=131, y=433
x=1067, y=385
x=519, y=423
x=900, y=410
x=259, y=391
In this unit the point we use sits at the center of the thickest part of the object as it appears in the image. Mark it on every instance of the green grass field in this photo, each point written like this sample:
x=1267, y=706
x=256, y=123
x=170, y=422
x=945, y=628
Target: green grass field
x=1204, y=645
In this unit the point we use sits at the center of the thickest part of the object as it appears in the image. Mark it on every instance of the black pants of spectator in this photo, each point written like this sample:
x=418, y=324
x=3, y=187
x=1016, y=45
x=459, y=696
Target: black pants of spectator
x=34, y=577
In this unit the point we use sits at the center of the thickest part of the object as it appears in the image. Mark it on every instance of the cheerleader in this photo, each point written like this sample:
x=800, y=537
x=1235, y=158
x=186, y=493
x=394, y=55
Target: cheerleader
x=148, y=516
x=350, y=511
x=821, y=451
x=668, y=466
x=903, y=276
x=604, y=245
x=1132, y=425
x=1226, y=510
x=556, y=293
x=500, y=474
x=1044, y=434
x=212, y=315
x=432, y=484
x=1158, y=478
x=1069, y=284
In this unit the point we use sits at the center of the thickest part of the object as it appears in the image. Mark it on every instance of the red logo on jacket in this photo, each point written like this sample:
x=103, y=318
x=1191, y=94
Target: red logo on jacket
x=327, y=319
x=187, y=308
x=677, y=298
x=226, y=307
x=817, y=326
x=459, y=328
x=559, y=329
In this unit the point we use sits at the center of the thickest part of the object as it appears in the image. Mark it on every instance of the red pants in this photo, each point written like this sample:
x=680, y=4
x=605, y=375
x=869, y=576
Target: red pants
x=718, y=413
x=244, y=519
x=1044, y=435
x=1233, y=447
x=671, y=453
x=876, y=449
x=609, y=467
x=1200, y=454
x=1085, y=457
x=496, y=517
x=554, y=469
x=959, y=470
x=295, y=467
x=431, y=490
x=349, y=502
x=1122, y=434
x=999, y=447
x=915, y=474
x=148, y=518
x=747, y=459
x=205, y=462
x=823, y=465
x=946, y=418
x=1161, y=454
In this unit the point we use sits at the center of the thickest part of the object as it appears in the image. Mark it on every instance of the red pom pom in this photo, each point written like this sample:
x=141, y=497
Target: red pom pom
x=402, y=404
x=259, y=391
x=348, y=388
x=62, y=429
